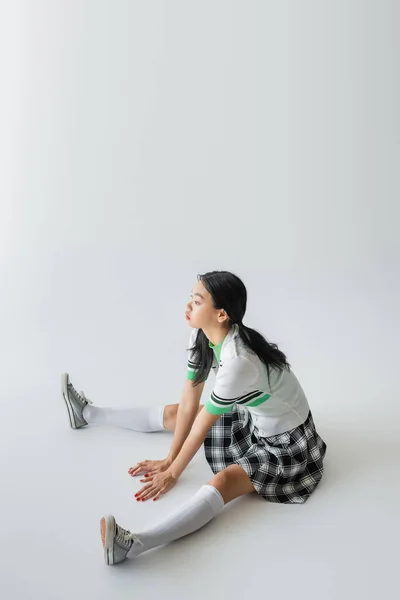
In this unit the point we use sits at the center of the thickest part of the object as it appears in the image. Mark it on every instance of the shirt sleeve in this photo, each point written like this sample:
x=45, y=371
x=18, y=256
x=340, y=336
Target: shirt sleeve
x=235, y=384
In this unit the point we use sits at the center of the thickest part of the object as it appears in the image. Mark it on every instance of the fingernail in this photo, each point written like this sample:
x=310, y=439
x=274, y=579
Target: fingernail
x=154, y=499
x=143, y=499
x=136, y=495
x=146, y=475
x=138, y=499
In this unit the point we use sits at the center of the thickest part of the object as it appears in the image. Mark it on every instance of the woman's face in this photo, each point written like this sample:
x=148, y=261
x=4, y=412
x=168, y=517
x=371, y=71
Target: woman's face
x=200, y=311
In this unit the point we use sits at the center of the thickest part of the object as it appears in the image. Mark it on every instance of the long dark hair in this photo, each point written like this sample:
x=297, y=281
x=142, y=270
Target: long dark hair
x=228, y=292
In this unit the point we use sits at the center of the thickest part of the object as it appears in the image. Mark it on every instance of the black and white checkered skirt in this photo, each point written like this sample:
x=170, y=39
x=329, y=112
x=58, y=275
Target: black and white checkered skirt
x=283, y=468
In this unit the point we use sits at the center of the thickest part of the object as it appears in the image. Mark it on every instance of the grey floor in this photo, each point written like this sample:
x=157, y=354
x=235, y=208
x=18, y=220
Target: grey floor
x=145, y=142
x=56, y=484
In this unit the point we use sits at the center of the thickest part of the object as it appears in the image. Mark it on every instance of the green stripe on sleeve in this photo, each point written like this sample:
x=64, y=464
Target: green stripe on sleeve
x=190, y=374
x=258, y=401
x=217, y=410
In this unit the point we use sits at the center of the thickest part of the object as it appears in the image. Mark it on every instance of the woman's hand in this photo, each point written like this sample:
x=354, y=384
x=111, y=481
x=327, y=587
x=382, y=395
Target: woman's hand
x=156, y=485
x=150, y=467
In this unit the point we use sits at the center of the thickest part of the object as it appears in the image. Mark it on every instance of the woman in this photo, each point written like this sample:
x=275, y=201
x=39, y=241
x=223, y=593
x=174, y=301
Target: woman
x=257, y=428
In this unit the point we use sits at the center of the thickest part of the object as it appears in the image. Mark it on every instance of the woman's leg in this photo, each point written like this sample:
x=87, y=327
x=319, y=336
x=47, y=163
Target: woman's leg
x=82, y=412
x=170, y=413
x=144, y=419
x=206, y=504
x=232, y=482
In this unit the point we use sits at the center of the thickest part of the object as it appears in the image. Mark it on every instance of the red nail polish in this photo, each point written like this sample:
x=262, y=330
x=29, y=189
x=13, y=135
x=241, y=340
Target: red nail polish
x=136, y=495
x=146, y=475
x=154, y=499
x=138, y=499
x=143, y=499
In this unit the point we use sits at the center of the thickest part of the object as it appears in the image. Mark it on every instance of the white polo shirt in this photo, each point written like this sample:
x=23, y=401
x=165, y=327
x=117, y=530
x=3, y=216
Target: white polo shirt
x=275, y=406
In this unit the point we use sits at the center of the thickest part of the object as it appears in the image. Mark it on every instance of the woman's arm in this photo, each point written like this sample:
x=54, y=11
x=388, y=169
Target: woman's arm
x=198, y=433
x=160, y=483
x=185, y=418
x=186, y=415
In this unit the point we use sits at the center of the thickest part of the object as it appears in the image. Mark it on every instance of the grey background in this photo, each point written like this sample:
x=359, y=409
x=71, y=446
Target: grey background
x=145, y=142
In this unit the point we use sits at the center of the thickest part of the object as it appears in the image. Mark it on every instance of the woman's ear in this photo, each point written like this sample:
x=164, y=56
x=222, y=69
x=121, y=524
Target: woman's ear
x=222, y=316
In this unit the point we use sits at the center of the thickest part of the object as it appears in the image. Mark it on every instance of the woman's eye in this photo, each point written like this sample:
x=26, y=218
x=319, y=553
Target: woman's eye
x=196, y=302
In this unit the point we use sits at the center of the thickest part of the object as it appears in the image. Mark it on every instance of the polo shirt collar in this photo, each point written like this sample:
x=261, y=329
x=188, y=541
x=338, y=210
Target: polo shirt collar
x=218, y=348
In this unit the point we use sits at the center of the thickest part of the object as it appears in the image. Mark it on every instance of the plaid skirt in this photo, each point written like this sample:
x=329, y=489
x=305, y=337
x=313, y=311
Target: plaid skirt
x=284, y=468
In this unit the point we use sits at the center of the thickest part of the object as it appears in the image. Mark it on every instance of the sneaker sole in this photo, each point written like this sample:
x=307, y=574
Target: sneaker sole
x=64, y=393
x=107, y=532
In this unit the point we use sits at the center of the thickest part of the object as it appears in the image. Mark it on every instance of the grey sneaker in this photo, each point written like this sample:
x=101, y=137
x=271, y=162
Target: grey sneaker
x=116, y=541
x=75, y=402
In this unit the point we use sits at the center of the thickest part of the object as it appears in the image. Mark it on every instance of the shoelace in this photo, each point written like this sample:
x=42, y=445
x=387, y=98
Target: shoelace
x=80, y=396
x=123, y=536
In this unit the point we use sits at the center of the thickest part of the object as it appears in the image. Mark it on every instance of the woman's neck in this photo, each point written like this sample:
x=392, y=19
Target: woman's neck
x=216, y=335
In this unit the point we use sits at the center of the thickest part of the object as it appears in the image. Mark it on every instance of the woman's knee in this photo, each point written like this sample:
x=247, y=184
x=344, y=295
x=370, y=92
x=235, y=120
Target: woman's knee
x=170, y=412
x=220, y=480
x=170, y=415
x=232, y=482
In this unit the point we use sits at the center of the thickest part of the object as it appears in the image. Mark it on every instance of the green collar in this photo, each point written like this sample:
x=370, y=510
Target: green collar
x=217, y=349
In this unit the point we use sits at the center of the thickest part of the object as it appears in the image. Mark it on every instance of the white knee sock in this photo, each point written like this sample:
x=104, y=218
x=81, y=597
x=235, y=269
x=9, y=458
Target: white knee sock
x=194, y=514
x=138, y=419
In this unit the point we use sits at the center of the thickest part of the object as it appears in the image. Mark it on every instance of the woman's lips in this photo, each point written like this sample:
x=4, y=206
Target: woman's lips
x=187, y=317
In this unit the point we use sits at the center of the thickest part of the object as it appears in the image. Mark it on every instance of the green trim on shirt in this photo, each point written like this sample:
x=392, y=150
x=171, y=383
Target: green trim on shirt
x=216, y=349
x=192, y=367
x=217, y=410
x=190, y=374
x=220, y=407
x=259, y=400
